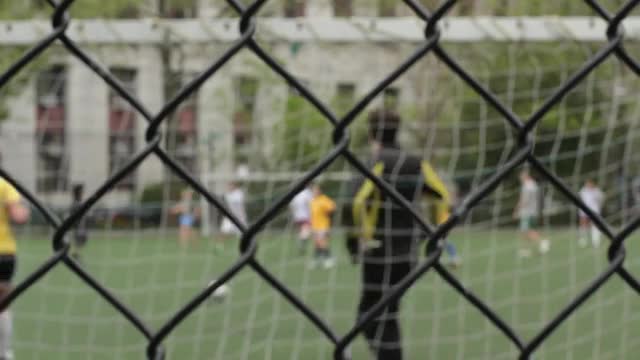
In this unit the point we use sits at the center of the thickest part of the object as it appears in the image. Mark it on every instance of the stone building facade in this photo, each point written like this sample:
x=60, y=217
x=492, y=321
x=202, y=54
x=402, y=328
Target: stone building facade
x=66, y=126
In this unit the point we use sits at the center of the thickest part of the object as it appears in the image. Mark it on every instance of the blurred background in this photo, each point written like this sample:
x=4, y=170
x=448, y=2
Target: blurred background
x=61, y=125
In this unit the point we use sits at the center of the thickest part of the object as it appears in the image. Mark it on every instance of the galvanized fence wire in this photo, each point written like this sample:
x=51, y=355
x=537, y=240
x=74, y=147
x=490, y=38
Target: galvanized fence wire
x=521, y=153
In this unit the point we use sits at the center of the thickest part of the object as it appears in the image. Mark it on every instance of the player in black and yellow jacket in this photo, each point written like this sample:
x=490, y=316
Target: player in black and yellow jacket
x=384, y=236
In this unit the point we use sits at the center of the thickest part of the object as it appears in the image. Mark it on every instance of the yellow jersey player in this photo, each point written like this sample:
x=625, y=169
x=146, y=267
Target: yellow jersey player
x=11, y=210
x=322, y=207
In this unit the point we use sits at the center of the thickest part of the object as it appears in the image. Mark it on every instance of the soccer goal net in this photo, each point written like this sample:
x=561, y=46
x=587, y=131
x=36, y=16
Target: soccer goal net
x=591, y=135
x=247, y=127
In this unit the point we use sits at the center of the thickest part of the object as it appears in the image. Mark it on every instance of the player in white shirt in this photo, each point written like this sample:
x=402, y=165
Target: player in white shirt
x=301, y=213
x=527, y=211
x=234, y=199
x=593, y=197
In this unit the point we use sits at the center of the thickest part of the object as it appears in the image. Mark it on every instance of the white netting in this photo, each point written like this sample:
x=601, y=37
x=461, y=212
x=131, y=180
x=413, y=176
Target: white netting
x=592, y=134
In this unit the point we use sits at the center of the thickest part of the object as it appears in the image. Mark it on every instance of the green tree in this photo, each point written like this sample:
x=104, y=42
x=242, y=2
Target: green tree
x=304, y=135
x=462, y=133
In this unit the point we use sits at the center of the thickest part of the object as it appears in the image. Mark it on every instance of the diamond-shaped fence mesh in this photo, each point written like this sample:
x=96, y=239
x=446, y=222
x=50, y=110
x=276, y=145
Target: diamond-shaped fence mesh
x=247, y=259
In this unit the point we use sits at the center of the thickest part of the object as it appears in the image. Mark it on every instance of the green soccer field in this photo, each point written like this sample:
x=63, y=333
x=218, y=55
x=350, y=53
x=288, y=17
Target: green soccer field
x=62, y=318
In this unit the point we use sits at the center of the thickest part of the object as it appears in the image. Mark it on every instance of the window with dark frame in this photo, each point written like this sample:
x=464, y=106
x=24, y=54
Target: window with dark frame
x=344, y=97
x=465, y=8
x=182, y=137
x=37, y=4
x=294, y=8
x=246, y=89
x=387, y=8
x=181, y=9
x=391, y=96
x=122, y=127
x=52, y=161
x=116, y=10
x=343, y=8
x=129, y=11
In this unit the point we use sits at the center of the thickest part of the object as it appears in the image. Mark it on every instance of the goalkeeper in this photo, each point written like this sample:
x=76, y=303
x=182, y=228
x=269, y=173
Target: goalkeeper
x=385, y=236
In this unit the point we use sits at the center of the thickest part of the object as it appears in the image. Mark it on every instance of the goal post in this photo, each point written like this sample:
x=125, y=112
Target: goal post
x=410, y=29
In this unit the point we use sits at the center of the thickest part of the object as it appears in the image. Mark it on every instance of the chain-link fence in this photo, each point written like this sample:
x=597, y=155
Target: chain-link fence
x=522, y=153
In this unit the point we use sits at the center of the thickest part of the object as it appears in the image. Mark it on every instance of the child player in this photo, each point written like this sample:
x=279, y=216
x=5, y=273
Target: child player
x=322, y=207
x=593, y=197
x=186, y=216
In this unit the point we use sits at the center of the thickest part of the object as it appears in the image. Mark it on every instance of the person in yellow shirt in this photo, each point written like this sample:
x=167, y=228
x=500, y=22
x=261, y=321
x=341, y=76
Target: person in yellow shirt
x=322, y=207
x=11, y=210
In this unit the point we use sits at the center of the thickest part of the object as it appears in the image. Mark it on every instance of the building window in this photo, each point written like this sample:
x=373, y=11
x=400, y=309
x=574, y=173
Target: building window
x=179, y=9
x=390, y=98
x=342, y=8
x=465, y=8
x=36, y=5
x=387, y=8
x=246, y=89
x=182, y=137
x=294, y=8
x=52, y=162
x=345, y=97
x=122, y=127
x=128, y=11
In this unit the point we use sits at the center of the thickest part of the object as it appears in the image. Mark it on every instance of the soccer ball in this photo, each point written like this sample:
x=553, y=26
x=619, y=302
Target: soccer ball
x=220, y=293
